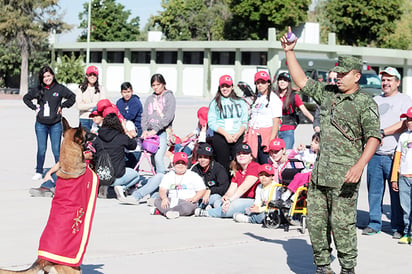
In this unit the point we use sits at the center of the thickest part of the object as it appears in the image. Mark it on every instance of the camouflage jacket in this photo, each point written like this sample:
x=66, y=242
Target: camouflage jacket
x=347, y=121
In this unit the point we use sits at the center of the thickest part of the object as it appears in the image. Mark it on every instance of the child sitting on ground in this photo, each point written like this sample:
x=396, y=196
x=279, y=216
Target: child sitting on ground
x=402, y=164
x=179, y=191
x=264, y=193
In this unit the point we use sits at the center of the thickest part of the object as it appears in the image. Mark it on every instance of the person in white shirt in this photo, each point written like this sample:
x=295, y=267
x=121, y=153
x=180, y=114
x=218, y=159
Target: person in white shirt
x=180, y=190
x=265, y=114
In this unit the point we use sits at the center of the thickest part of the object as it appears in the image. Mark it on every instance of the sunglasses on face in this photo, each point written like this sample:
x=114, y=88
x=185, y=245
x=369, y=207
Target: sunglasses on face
x=330, y=80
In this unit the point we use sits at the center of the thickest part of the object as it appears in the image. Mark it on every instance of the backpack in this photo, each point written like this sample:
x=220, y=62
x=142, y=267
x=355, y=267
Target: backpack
x=104, y=169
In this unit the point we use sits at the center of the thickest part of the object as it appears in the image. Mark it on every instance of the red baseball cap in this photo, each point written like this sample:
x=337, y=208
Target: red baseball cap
x=269, y=169
x=262, y=75
x=102, y=104
x=94, y=113
x=408, y=114
x=180, y=156
x=202, y=115
x=109, y=110
x=226, y=79
x=276, y=144
x=92, y=69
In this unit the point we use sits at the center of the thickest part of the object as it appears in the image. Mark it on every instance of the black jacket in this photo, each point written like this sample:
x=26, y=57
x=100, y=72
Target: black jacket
x=115, y=144
x=53, y=96
x=216, y=177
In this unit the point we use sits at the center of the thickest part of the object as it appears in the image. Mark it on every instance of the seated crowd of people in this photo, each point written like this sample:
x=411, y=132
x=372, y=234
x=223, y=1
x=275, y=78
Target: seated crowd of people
x=225, y=168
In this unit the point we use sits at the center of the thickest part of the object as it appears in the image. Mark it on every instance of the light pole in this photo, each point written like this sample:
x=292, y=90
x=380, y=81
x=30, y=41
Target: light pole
x=89, y=17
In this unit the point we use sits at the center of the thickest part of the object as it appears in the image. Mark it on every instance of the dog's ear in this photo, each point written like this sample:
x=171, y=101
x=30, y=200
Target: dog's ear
x=79, y=136
x=66, y=125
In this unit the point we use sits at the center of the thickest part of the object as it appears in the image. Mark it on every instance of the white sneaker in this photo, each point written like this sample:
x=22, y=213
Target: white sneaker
x=130, y=200
x=37, y=176
x=172, y=214
x=119, y=193
x=241, y=218
x=150, y=202
x=201, y=212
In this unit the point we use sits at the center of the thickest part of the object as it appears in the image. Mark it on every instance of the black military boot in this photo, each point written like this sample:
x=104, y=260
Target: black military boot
x=347, y=271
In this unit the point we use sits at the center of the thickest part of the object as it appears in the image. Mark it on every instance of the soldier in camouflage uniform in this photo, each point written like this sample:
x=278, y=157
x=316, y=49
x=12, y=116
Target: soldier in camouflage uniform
x=350, y=134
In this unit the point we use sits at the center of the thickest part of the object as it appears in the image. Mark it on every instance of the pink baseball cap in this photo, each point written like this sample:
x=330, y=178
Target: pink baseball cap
x=269, y=169
x=180, y=156
x=92, y=69
x=276, y=144
x=226, y=79
x=408, y=114
x=202, y=115
x=262, y=75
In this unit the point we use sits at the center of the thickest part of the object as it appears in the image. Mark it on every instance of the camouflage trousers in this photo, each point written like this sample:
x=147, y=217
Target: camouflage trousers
x=332, y=213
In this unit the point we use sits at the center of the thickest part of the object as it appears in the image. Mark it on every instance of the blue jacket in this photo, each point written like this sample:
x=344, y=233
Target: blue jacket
x=132, y=111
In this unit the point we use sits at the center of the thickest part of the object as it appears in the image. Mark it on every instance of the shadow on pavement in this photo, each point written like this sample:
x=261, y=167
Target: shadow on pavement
x=299, y=253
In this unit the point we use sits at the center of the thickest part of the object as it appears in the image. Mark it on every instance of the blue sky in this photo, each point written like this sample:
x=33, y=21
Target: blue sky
x=72, y=8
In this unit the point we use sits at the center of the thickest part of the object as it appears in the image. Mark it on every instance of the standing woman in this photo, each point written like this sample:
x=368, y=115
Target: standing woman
x=266, y=111
x=88, y=94
x=158, y=115
x=227, y=117
x=48, y=95
x=291, y=101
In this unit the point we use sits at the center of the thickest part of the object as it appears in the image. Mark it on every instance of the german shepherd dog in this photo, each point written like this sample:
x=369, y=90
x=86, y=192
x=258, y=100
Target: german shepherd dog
x=72, y=165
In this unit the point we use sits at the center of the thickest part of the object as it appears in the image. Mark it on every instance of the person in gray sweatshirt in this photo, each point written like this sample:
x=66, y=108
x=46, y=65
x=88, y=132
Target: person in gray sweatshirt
x=158, y=115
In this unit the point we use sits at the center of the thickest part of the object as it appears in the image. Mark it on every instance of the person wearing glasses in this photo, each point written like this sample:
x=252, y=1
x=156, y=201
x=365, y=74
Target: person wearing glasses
x=349, y=120
x=331, y=80
x=87, y=96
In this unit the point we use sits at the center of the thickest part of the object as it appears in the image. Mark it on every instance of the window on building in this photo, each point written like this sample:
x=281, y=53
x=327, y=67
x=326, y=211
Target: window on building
x=193, y=57
x=223, y=58
x=254, y=58
x=115, y=56
x=96, y=57
x=166, y=57
x=140, y=57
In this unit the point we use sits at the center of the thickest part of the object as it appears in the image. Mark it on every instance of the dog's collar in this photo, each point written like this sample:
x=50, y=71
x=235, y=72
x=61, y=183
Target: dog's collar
x=71, y=173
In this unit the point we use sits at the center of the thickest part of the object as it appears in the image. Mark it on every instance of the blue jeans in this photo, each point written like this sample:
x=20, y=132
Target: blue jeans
x=379, y=170
x=49, y=183
x=215, y=200
x=42, y=133
x=289, y=137
x=160, y=154
x=186, y=149
x=256, y=218
x=129, y=178
x=149, y=186
x=238, y=205
x=86, y=123
x=405, y=196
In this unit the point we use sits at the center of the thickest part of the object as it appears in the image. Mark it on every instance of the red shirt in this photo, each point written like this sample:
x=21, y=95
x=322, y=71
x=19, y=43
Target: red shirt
x=298, y=103
x=240, y=175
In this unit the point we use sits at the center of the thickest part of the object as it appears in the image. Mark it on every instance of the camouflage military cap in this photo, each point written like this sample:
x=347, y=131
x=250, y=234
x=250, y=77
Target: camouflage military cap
x=348, y=63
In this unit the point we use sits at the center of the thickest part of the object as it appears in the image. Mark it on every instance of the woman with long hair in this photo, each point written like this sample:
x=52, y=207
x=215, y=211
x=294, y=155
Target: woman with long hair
x=291, y=104
x=158, y=115
x=48, y=95
x=88, y=94
x=227, y=117
x=241, y=192
x=264, y=123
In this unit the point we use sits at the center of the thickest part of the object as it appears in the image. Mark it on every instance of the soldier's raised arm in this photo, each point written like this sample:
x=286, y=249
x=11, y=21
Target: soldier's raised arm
x=295, y=70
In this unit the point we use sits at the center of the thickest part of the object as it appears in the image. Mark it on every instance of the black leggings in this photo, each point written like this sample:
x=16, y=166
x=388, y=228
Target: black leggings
x=225, y=152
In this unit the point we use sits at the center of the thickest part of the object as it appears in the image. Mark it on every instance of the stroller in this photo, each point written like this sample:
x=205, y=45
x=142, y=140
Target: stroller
x=294, y=215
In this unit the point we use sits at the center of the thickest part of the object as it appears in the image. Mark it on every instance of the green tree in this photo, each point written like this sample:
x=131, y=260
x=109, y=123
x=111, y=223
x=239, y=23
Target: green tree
x=109, y=22
x=193, y=19
x=252, y=18
x=70, y=69
x=362, y=22
x=401, y=38
x=26, y=25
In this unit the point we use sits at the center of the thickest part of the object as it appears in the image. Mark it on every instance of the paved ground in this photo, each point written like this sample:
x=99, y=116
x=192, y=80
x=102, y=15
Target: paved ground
x=126, y=239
